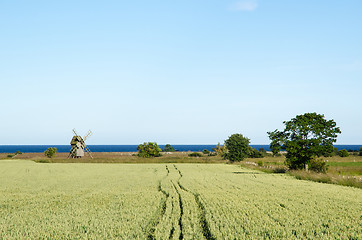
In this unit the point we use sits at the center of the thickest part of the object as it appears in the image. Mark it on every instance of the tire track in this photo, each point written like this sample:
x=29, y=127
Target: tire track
x=181, y=236
x=173, y=228
x=161, y=209
x=202, y=211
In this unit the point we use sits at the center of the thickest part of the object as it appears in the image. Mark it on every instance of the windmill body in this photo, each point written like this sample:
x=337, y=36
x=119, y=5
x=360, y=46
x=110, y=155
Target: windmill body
x=78, y=146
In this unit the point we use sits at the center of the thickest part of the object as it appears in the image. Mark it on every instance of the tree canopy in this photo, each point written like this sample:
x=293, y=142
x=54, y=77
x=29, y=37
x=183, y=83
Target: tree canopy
x=237, y=147
x=305, y=137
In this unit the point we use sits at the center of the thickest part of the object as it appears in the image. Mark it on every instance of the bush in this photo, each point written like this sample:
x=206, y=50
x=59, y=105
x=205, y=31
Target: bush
x=221, y=150
x=343, y=153
x=332, y=153
x=148, y=150
x=318, y=165
x=18, y=153
x=238, y=147
x=168, y=148
x=255, y=153
x=360, y=152
x=205, y=151
x=260, y=163
x=264, y=152
x=51, y=152
x=13, y=155
x=195, y=154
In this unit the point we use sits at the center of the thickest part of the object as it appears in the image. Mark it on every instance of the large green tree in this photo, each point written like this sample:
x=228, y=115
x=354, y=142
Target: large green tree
x=305, y=137
x=237, y=147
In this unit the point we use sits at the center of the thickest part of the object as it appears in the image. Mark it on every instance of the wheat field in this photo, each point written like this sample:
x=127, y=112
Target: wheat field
x=170, y=201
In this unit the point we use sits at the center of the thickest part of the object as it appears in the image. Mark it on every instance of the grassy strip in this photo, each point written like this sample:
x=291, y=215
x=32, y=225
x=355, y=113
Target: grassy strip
x=345, y=164
x=351, y=181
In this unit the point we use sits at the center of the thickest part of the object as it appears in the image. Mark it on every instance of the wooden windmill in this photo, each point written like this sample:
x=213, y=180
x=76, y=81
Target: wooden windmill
x=78, y=146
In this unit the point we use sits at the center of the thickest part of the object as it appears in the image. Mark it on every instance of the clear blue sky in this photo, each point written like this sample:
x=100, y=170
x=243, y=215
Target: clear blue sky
x=179, y=72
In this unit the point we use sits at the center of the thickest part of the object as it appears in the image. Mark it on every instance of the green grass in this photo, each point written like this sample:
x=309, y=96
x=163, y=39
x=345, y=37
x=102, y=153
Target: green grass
x=345, y=164
x=169, y=201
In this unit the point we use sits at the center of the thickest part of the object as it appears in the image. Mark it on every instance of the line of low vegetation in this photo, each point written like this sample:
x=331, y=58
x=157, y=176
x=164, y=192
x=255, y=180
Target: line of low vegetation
x=351, y=181
x=306, y=142
x=351, y=177
x=14, y=154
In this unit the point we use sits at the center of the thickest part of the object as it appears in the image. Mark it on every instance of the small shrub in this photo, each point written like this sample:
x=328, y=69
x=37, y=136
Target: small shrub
x=343, y=153
x=360, y=152
x=221, y=150
x=168, y=148
x=318, y=165
x=264, y=152
x=148, y=150
x=195, y=154
x=13, y=155
x=51, y=152
x=211, y=154
x=260, y=163
x=255, y=153
x=205, y=151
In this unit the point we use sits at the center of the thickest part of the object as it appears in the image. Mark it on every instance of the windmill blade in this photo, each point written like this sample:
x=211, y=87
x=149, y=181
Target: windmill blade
x=87, y=135
x=75, y=133
x=87, y=149
x=72, y=152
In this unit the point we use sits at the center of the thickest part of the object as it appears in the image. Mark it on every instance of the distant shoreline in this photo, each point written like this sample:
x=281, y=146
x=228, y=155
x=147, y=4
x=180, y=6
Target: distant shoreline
x=133, y=148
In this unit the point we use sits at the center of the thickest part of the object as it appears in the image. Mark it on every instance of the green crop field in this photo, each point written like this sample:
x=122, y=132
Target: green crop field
x=170, y=201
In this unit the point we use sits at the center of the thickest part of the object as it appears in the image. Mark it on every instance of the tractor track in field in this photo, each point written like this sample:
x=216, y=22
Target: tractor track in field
x=181, y=236
x=202, y=211
x=178, y=187
x=161, y=209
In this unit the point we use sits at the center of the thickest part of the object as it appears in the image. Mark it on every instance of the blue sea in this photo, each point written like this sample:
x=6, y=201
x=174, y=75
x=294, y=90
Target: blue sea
x=131, y=148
